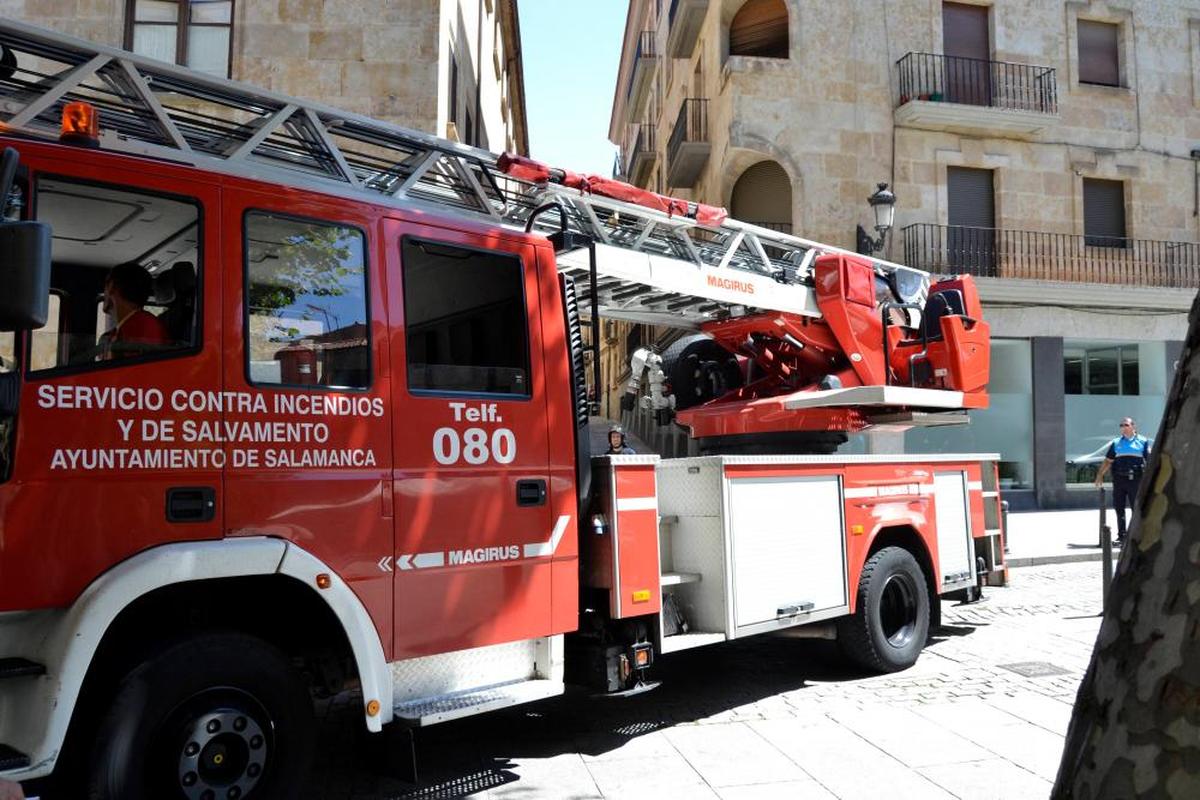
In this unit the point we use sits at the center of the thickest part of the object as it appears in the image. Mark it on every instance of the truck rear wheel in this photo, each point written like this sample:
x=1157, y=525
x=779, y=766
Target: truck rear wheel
x=891, y=621
x=215, y=717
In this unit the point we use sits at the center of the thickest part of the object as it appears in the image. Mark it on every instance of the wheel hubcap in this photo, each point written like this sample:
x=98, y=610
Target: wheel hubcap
x=898, y=610
x=223, y=756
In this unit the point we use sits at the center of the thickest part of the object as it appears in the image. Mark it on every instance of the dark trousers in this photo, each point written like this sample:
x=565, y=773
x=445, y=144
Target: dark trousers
x=1124, y=489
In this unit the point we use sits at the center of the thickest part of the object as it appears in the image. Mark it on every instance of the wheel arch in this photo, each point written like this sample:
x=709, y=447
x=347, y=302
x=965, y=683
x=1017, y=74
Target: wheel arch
x=906, y=537
x=151, y=586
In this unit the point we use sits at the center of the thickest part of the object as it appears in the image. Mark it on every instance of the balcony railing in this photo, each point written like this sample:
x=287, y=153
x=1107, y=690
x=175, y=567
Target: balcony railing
x=976, y=82
x=688, y=148
x=645, y=63
x=1000, y=253
x=643, y=150
x=646, y=48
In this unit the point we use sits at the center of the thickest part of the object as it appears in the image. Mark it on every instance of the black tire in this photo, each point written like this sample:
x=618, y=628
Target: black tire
x=699, y=370
x=227, y=704
x=891, y=622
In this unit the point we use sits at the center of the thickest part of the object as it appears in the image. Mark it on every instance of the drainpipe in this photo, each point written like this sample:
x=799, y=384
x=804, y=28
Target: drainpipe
x=1196, y=183
x=479, y=76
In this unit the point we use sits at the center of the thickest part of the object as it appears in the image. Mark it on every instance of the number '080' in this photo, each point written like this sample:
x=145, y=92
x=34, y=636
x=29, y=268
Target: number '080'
x=474, y=446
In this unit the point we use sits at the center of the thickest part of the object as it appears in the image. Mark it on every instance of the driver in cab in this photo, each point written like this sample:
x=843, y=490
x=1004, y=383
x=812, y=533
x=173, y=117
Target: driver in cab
x=137, y=331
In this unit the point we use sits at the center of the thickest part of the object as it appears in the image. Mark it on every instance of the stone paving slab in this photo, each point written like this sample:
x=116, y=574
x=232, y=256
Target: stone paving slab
x=650, y=777
x=908, y=737
x=846, y=764
x=807, y=789
x=991, y=779
x=732, y=755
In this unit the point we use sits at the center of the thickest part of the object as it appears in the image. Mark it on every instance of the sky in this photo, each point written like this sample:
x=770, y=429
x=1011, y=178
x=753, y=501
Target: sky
x=570, y=50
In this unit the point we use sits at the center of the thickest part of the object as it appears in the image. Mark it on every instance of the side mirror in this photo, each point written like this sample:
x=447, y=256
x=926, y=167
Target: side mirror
x=24, y=275
x=24, y=259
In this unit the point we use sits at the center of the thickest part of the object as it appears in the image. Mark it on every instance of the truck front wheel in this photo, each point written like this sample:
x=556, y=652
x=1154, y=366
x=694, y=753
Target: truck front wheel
x=891, y=621
x=213, y=716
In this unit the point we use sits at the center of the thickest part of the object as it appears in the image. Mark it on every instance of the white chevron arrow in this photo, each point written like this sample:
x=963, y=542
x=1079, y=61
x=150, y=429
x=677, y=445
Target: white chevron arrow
x=420, y=560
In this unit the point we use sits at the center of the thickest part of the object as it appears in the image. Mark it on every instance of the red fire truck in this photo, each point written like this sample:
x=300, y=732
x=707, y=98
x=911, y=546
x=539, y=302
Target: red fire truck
x=350, y=449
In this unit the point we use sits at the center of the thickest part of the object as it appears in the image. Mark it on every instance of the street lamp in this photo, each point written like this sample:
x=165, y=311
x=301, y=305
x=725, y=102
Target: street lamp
x=883, y=204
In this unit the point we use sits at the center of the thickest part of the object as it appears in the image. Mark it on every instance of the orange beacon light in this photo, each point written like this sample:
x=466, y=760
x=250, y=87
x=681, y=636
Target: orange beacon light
x=80, y=125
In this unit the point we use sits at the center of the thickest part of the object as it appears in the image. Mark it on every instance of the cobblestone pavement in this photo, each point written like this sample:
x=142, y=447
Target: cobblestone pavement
x=981, y=715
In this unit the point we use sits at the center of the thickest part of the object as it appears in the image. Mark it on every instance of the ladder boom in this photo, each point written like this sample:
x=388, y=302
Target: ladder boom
x=796, y=315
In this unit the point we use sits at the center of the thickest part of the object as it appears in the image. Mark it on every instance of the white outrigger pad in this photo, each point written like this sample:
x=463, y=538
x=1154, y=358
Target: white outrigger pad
x=892, y=396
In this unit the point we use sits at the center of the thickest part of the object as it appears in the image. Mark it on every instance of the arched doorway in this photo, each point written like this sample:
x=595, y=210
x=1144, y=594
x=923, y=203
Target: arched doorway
x=760, y=28
x=763, y=196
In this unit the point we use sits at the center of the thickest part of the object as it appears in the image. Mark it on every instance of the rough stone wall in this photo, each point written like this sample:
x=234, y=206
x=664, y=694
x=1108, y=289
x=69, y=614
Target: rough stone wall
x=378, y=58
x=95, y=20
x=383, y=58
x=826, y=115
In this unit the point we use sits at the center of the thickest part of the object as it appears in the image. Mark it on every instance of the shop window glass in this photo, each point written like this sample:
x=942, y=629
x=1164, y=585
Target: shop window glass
x=1004, y=427
x=1113, y=381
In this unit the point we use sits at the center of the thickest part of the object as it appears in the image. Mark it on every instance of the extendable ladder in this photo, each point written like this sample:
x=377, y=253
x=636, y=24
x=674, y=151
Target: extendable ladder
x=652, y=267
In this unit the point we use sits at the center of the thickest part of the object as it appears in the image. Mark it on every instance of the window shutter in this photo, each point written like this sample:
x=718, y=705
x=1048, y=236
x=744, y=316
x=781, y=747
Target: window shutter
x=1098, y=59
x=971, y=213
x=970, y=197
x=763, y=196
x=1103, y=213
x=760, y=28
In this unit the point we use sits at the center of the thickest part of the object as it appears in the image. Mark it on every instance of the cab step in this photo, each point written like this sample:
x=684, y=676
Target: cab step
x=11, y=758
x=441, y=708
x=20, y=668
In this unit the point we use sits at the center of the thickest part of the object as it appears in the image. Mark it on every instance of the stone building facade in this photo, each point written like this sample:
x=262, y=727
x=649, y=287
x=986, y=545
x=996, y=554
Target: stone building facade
x=1049, y=148
x=447, y=67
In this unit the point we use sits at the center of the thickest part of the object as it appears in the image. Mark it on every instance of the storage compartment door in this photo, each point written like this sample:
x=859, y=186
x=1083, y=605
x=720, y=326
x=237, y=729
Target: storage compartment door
x=954, y=534
x=788, y=544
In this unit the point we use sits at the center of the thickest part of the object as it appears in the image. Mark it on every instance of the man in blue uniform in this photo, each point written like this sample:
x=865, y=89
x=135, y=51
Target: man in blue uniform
x=1126, y=457
x=616, y=442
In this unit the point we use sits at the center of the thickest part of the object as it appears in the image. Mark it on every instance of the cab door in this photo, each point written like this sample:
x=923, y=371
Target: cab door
x=103, y=469
x=474, y=533
x=308, y=388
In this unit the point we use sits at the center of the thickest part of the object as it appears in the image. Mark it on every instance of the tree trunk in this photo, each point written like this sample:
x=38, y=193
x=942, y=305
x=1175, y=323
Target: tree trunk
x=1135, y=731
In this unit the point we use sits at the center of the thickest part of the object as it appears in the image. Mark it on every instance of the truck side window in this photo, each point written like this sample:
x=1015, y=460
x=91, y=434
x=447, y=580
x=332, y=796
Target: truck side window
x=306, y=300
x=8, y=352
x=124, y=281
x=465, y=322
x=47, y=340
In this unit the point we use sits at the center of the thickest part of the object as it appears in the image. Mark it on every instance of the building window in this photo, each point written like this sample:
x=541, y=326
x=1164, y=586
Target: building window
x=763, y=196
x=453, y=89
x=1103, y=213
x=760, y=28
x=193, y=33
x=466, y=328
x=1099, y=59
x=1101, y=370
x=306, y=299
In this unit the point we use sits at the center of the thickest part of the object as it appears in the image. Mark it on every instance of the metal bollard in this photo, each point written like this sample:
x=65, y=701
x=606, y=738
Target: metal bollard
x=1106, y=568
x=1004, y=523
